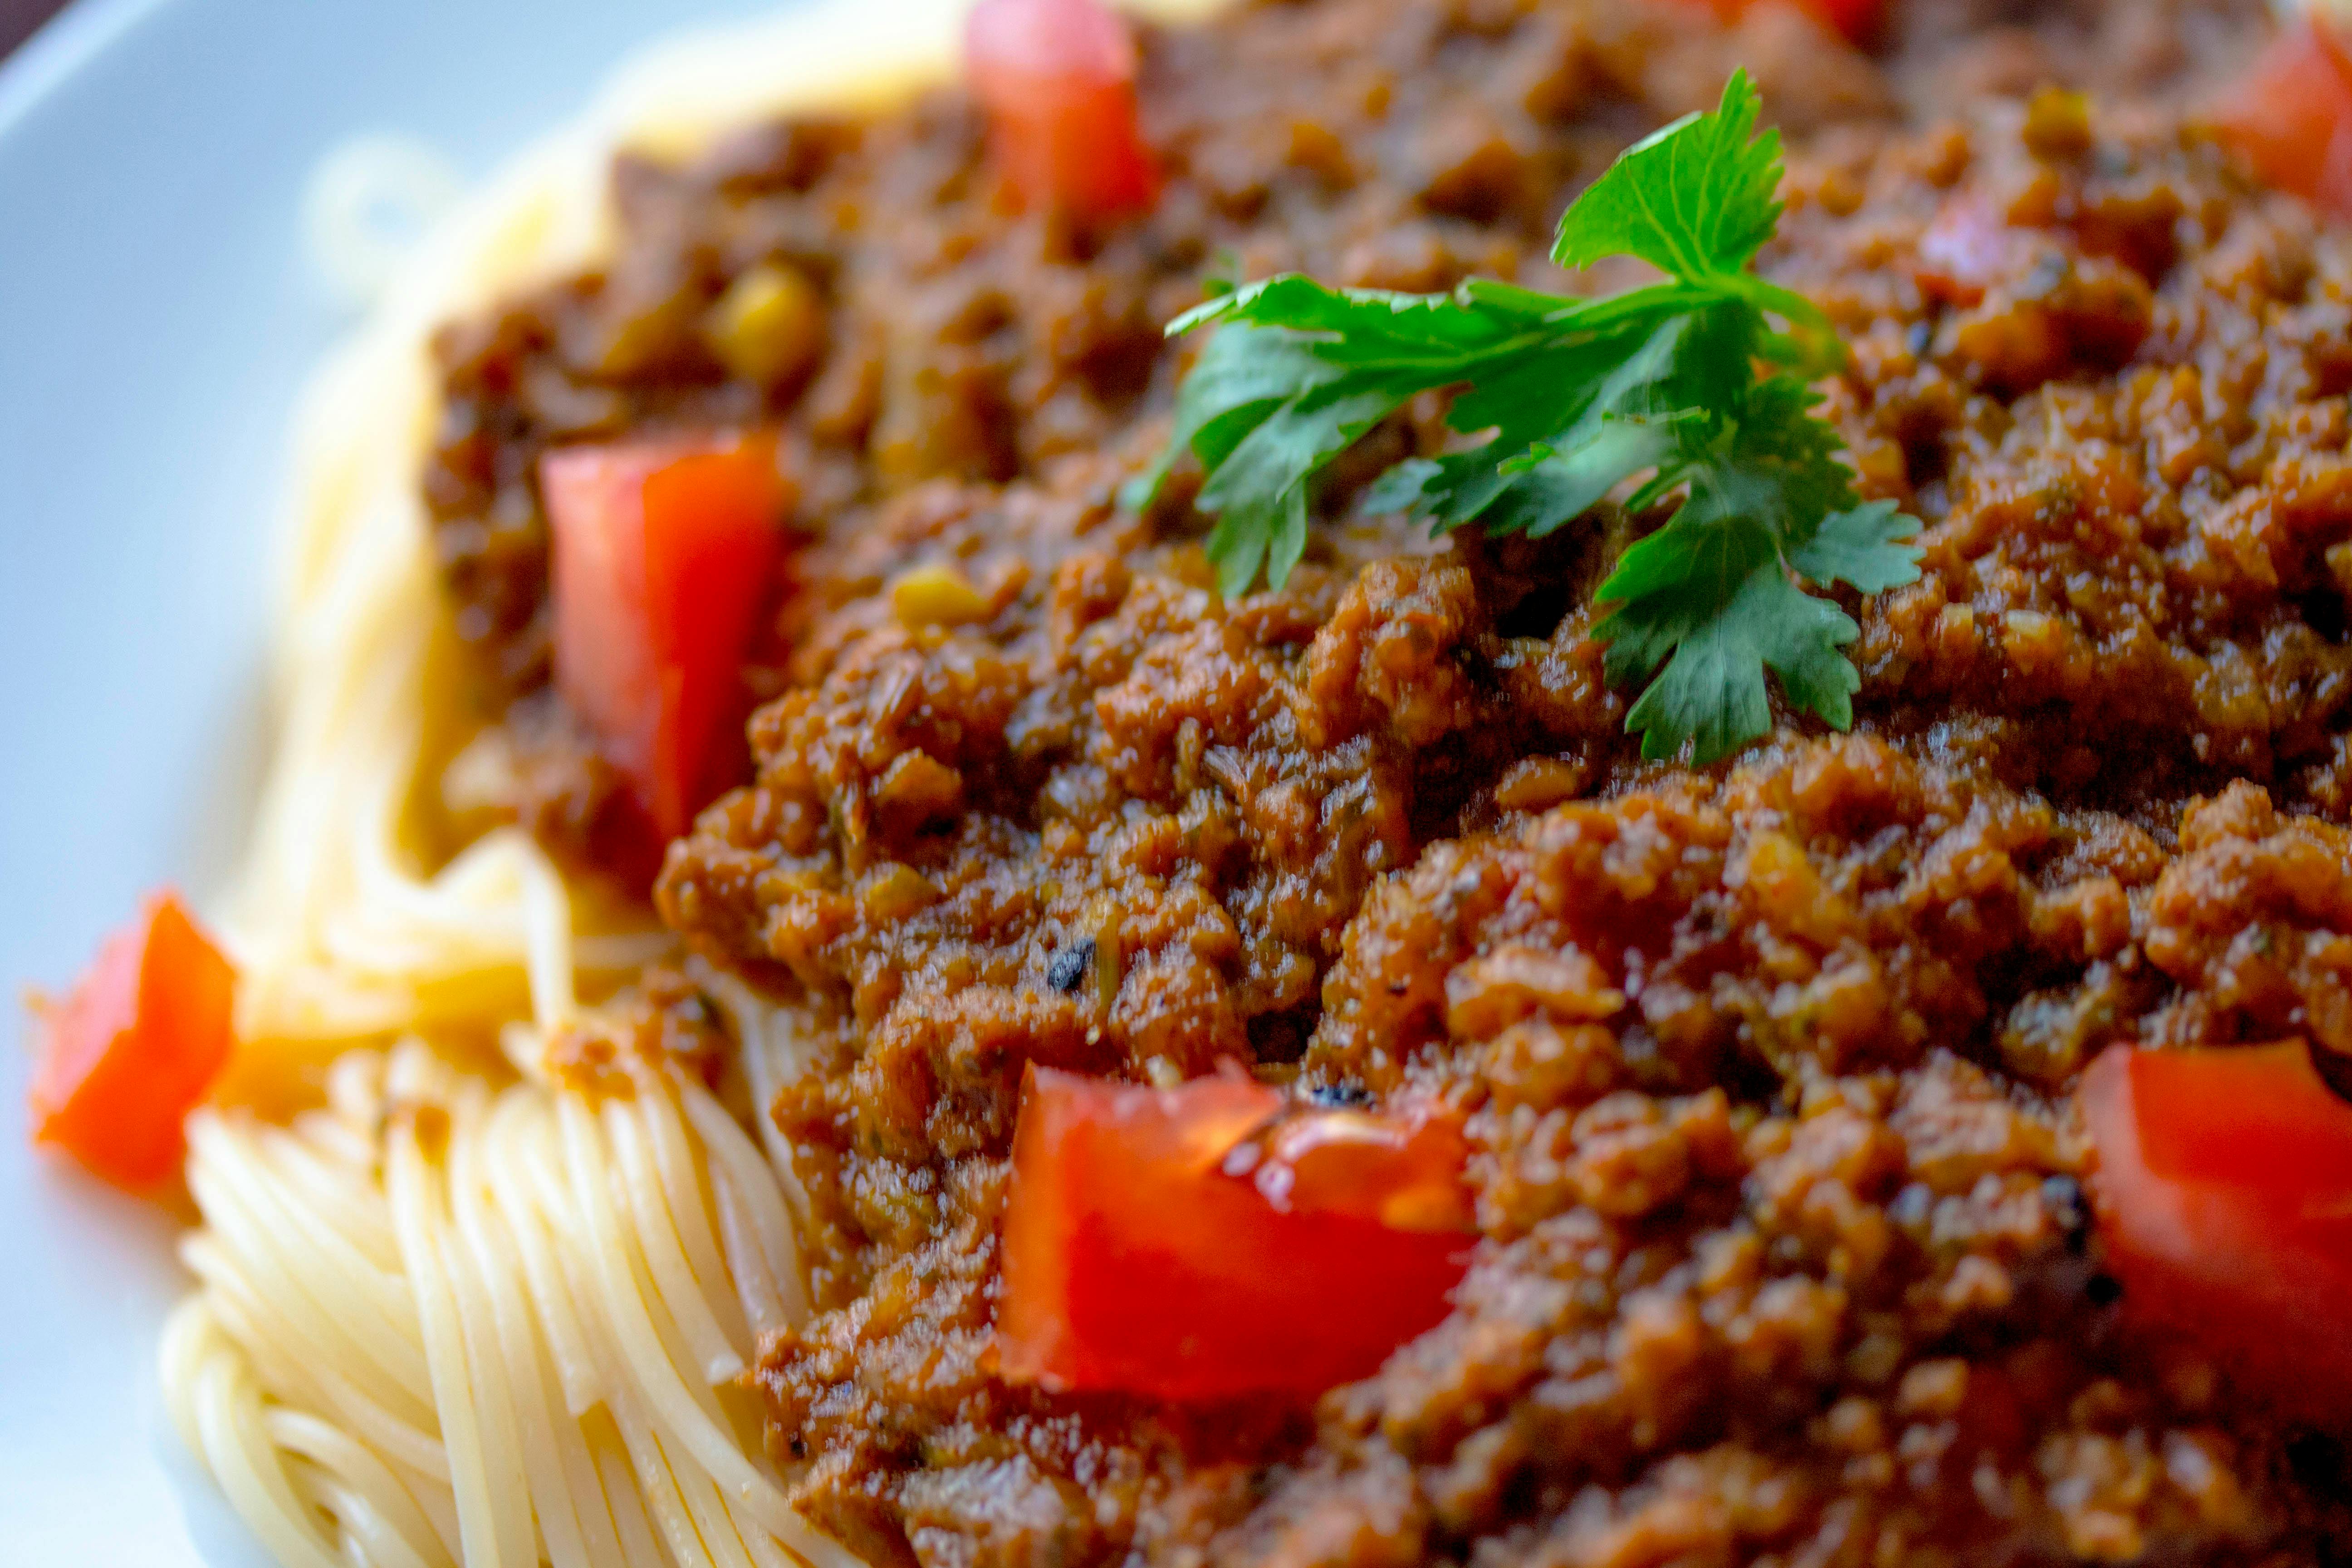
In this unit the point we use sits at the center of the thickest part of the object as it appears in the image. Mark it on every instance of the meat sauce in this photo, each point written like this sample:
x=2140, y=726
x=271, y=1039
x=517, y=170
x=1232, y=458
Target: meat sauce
x=1785, y=1250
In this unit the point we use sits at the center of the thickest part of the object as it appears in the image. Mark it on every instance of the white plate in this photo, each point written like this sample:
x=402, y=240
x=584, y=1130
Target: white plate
x=156, y=317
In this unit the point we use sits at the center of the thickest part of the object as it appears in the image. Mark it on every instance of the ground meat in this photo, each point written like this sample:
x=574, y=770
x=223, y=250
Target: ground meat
x=2128, y=440
x=1785, y=1251
x=932, y=332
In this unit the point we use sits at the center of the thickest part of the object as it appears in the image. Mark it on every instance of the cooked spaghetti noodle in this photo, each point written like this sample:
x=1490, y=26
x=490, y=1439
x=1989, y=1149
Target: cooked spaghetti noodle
x=446, y=1323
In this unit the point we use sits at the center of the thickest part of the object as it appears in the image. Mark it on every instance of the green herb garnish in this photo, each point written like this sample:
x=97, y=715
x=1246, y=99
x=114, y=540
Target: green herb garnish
x=1687, y=381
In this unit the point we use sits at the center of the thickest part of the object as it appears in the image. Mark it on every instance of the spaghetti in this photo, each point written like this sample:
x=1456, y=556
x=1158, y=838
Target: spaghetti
x=441, y=1322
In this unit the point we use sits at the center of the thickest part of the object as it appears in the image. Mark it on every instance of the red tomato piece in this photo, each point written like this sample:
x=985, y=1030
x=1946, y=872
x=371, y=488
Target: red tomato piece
x=2291, y=114
x=663, y=552
x=1057, y=79
x=2224, y=1196
x=129, y=1054
x=1194, y=1244
x=1858, y=20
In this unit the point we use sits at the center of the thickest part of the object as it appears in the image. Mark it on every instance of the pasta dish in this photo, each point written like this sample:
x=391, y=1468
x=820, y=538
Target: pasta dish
x=1319, y=784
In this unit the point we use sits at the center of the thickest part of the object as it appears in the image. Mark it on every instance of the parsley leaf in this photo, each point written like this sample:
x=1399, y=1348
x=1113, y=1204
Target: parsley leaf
x=1691, y=393
x=1697, y=199
x=1864, y=547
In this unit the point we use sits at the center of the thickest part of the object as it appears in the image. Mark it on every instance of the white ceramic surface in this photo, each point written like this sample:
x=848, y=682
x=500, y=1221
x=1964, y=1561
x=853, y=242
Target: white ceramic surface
x=156, y=317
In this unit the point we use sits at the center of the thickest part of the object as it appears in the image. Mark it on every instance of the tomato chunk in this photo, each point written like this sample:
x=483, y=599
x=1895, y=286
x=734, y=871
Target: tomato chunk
x=1858, y=20
x=663, y=552
x=2291, y=114
x=2224, y=1196
x=1057, y=79
x=1197, y=1243
x=131, y=1050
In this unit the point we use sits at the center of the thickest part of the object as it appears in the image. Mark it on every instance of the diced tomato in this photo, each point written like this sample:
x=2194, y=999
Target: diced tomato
x=2224, y=1196
x=1057, y=79
x=663, y=552
x=1858, y=20
x=127, y=1054
x=2292, y=113
x=1197, y=1243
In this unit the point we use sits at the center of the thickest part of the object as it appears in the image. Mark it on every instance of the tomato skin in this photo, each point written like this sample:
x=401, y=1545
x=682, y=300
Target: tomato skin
x=2224, y=1196
x=2292, y=114
x=1057, y=79
x=1139, y=1259
x=1405, y=1172
x=663, y=552
x=129, y=1052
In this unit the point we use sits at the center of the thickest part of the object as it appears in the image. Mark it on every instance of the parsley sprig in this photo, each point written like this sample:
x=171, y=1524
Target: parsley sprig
x=1699, y=382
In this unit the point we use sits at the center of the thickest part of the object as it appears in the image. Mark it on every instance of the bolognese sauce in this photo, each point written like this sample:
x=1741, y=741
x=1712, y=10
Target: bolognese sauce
x=1785, y=1236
